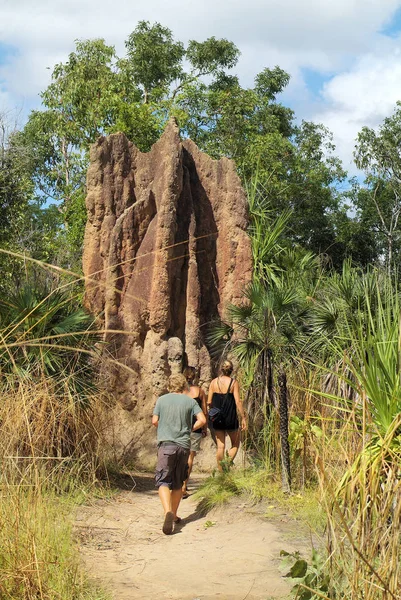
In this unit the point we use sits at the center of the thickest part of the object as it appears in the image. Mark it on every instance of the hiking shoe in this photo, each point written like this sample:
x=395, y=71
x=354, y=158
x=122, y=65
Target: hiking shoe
x=168, y=523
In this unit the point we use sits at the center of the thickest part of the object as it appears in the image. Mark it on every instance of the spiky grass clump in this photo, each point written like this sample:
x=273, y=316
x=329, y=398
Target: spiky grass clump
x=217, y=491
x=258, y=485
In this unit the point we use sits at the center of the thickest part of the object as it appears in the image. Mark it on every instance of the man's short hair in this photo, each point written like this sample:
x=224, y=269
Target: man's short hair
x=177, y=383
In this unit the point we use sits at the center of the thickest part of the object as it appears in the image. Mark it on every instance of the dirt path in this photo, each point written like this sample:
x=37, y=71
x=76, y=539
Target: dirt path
x=230, y=554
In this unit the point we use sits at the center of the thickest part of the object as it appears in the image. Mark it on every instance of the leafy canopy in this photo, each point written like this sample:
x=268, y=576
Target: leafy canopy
x=95, y=93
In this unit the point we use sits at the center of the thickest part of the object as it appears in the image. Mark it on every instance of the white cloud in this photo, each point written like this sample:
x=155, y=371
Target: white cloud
x=309, y=33
x=285, y=23
x=364, y=95
x=328, y=36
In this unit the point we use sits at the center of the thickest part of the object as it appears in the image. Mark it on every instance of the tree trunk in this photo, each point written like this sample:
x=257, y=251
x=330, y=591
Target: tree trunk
x=271, y=408
x=390, y=252
x=285, y=446
x=270, y=387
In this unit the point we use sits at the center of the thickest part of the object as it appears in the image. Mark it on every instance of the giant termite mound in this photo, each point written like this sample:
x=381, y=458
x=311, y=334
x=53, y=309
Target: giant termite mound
x=165, y=252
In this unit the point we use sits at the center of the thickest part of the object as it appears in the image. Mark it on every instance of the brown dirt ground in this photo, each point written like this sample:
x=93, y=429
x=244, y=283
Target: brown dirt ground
x=232, y=553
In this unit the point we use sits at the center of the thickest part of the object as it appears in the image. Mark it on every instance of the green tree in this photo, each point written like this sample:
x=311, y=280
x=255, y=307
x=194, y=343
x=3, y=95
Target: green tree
x=94, y=93
x=357, y=236
x=225, y=119
x=314, y=193
x=301, y=175
x=154, y=59
x=79, y=105
x=16, y=189
x=378, y=155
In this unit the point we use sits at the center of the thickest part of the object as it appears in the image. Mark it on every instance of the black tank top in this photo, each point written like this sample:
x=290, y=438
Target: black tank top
x=231, y=422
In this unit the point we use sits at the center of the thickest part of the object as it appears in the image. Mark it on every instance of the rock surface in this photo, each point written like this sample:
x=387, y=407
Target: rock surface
x=165, y=252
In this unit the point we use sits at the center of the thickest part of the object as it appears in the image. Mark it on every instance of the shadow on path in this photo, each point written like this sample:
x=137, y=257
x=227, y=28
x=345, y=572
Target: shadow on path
x=132, y=482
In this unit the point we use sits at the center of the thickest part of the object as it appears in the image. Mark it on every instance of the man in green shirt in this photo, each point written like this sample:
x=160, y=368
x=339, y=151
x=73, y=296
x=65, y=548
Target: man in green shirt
x=173, y=416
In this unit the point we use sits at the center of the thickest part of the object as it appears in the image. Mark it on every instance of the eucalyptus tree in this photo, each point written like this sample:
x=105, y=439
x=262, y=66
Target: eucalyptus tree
x=78, y=106
x=378, y=155
x=95, y=92
x=16, y=190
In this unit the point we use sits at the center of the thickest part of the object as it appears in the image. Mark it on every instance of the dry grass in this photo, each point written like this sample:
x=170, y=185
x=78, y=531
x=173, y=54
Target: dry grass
x=45, y=433
x=49, y=449
x=363, y=508
x=37, y=558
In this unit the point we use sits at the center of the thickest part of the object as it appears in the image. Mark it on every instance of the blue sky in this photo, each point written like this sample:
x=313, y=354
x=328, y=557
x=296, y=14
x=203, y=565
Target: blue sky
x=344, y=56
x=393, y=26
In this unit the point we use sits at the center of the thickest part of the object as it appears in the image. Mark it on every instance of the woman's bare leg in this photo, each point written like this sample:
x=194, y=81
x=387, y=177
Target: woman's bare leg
x=221, y=445
x=191, y=457
x=235, y=438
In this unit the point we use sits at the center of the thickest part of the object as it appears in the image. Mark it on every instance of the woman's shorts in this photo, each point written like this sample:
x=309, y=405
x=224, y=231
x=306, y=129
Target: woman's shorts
x=196, y=439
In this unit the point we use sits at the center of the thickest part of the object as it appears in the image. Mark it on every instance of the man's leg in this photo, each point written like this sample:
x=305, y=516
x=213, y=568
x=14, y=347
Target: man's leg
x=180, y=475
x=176, y=496
x=165, y=464
x=221, y=444
x=165, y=498
x=235, y=438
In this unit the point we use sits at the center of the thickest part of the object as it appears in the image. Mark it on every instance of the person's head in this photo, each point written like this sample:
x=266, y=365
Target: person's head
x=177, y=383
x=227, y=368
x=190, y=374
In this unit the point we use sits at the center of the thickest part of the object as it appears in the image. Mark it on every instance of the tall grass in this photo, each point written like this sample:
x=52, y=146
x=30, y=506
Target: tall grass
x=49, y=450
x=364, y=503
x=47, y=438
x=38, y=559
x=52, y=432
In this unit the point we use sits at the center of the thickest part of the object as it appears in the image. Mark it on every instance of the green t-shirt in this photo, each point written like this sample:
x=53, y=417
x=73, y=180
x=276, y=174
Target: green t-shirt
x=175, y=412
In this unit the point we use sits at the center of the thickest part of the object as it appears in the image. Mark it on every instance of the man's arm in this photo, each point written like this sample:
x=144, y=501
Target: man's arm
x=200, y=420
x=156, y=414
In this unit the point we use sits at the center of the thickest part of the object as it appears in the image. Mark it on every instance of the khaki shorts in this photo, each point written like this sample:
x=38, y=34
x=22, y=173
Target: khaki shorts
x=172, y=465
x=196, y=439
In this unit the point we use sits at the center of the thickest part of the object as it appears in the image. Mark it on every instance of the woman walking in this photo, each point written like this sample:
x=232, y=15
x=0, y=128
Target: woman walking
x=199, y=395
x=224, y=395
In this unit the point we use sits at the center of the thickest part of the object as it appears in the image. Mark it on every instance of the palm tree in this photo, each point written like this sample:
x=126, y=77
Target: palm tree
x=267, y=330
x=265, y=334
x=44, y=334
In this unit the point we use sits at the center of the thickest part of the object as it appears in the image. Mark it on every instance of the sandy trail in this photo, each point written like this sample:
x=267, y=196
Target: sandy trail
x=230, y=554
